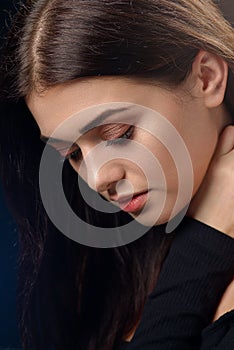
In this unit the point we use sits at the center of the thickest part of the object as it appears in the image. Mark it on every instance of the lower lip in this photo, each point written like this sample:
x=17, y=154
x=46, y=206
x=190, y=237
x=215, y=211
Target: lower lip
x=135, y=204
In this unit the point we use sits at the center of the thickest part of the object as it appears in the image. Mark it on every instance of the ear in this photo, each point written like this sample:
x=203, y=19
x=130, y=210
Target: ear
x=210, y=73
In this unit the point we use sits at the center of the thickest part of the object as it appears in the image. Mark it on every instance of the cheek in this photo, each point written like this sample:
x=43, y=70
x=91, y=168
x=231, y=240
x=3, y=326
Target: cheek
x=166, y=162
x=199, y=146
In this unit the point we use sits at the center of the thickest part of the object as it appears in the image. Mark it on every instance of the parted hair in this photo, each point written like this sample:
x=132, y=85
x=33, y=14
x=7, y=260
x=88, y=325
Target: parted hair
x=71, y=296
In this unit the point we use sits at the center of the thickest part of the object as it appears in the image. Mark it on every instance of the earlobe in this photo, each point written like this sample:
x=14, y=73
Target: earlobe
x=211, y=73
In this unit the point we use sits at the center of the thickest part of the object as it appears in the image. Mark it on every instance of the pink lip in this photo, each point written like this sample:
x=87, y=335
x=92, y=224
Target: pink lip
x=134, y=204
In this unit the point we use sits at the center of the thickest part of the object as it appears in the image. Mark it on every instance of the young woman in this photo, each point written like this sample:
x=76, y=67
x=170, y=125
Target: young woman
x=165, y=58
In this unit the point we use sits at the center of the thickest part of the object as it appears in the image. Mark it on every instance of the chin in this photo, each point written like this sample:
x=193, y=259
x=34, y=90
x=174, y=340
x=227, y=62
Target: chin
x=150, y=218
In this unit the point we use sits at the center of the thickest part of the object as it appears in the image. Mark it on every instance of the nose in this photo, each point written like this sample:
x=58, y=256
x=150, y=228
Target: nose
x=107, y=177
x=101, y=170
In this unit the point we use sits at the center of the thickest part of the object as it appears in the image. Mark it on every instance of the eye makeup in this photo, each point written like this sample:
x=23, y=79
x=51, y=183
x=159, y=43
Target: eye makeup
x=75, y=152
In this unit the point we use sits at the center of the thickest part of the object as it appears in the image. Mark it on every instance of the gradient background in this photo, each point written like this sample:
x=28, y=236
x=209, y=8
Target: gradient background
x=8, y=234
x=8, y=244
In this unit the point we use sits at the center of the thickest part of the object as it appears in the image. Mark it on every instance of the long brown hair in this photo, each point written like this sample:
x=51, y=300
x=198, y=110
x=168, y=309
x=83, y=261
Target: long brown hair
x=56, y=41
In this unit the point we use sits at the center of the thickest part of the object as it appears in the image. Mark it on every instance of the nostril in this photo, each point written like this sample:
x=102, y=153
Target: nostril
x=120, y=188
x=107, y=177
x=112, y=189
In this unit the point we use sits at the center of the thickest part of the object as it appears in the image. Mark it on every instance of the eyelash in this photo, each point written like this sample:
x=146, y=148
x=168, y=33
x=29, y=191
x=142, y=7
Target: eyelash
x=120, y=140
x=122, y=137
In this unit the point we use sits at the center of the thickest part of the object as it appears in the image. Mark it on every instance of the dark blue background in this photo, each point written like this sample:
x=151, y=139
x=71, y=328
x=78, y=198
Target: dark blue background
x=8, y=235
x=8, y=246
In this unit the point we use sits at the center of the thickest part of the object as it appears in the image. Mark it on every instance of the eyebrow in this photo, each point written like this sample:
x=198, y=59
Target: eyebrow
x=100, y=118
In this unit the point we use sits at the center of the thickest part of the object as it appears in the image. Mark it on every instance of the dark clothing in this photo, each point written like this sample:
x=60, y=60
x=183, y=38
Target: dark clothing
x=194, y=276
x=219, y=335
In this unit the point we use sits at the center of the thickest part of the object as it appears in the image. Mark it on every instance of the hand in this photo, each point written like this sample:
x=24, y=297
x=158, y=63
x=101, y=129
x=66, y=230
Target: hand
x=213, y=204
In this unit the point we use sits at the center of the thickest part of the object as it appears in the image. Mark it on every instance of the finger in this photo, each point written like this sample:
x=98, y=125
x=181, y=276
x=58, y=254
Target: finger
x=225, y=142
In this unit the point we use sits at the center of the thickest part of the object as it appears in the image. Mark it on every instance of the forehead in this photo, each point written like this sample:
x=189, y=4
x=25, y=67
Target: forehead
x=58, y=103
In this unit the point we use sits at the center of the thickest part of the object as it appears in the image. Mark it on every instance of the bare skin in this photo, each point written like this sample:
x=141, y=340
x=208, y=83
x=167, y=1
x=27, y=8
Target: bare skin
x=213, y=205
x=213, y=202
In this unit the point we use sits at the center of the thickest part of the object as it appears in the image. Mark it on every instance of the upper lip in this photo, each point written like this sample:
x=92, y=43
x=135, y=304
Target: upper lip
x=123, y=199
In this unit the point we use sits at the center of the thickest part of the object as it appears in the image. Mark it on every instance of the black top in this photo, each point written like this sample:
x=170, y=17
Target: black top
x=194, y=276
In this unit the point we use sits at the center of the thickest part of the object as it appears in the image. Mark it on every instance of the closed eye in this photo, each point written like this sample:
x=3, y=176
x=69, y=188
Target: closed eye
x=121, y=138
x=76, y=154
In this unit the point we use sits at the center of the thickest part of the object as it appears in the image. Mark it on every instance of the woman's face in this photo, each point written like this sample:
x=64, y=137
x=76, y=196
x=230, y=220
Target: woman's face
x=120, y=176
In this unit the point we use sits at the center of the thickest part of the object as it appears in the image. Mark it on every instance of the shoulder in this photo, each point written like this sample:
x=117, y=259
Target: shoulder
x=220, y=334
x=226, y=303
